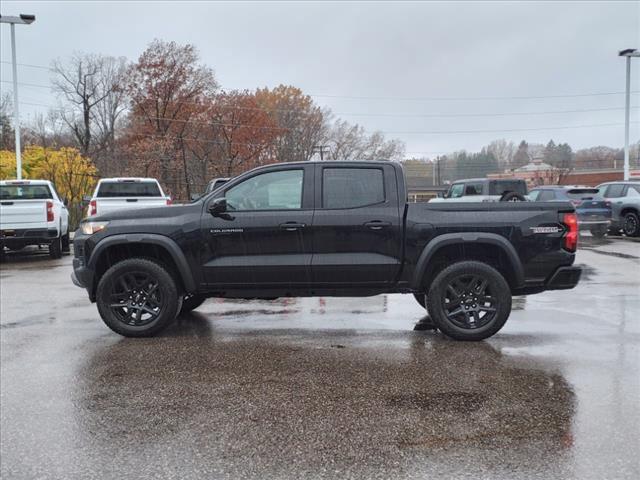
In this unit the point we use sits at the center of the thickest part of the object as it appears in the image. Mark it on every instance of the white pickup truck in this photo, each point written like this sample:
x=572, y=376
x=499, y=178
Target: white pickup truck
x=126, y=193
x=32, y=213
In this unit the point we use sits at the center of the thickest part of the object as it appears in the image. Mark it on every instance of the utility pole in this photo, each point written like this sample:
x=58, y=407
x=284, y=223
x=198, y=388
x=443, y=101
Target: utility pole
x=321, y=149
x=629, y=52
x=23, y=19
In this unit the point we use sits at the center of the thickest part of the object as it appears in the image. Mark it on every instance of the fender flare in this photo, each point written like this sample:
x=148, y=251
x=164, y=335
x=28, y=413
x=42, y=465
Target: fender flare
x=468, y=237
x=170, y=245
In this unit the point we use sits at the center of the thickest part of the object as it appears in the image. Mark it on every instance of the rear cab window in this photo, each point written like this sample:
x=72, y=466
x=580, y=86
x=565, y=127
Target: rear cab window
x=128, y=188
x=25, y=192
x=344, y=187
x=500, y=187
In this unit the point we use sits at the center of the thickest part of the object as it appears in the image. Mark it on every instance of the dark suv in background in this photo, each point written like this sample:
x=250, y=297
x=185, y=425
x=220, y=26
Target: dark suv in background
x=625, y=205
x=594, y=212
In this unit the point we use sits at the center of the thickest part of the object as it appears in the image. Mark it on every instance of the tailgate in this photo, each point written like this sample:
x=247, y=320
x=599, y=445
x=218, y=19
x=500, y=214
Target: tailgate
x=23, y=214
x=108, y=205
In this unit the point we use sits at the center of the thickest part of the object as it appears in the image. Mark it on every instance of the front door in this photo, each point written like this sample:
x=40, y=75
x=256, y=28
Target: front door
x=357, y=229
x=264, y=238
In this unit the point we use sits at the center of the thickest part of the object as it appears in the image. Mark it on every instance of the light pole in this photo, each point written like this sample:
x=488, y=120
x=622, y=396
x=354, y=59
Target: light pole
x=629, y=52
x=23, y=19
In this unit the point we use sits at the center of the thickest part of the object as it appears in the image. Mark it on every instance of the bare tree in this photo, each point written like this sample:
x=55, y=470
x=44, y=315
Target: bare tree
x=7, y=139
x=90, y=87
x=351, y=142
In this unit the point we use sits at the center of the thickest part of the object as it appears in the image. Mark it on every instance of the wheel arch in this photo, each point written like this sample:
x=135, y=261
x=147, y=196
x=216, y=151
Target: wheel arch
x=153, y=246
x=470, y=242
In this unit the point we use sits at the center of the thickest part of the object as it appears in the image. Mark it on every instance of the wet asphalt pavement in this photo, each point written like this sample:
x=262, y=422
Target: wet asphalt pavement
x=322, y=387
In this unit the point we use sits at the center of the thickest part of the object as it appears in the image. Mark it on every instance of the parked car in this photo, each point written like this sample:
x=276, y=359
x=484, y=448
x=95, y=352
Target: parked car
x=625, y=202
x=485, y=190
x=32, y=213
x=126, y=193
x=325, y=229
x=594, y=213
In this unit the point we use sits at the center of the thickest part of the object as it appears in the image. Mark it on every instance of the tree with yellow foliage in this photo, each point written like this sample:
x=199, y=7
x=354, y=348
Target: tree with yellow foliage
x=72, y=174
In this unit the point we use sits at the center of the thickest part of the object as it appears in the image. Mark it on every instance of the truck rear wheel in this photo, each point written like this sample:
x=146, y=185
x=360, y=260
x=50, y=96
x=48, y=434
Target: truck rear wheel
x=469, y=300
x=137, y=298
x=55, y=248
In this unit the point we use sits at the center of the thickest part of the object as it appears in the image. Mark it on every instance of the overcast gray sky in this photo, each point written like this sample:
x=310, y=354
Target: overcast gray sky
x=392, y=67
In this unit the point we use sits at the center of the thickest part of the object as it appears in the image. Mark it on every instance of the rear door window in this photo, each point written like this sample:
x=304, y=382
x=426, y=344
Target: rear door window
x=25, y=192
x=546, y=196
x=615, y=190
x=128, y=189
x=633, y=191
x=352, y=187
x=533, y=195
x=471, y=189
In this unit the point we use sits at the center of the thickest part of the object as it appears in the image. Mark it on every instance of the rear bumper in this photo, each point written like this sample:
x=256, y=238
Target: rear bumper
x=564, y=278
x=585, y=222
x=27, y=236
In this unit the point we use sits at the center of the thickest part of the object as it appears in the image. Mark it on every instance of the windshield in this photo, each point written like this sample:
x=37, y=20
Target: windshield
x=25, y=192
x=128, y=189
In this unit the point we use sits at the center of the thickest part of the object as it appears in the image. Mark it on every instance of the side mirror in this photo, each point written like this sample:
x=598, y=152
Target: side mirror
x=218, y=207
x=195, y=196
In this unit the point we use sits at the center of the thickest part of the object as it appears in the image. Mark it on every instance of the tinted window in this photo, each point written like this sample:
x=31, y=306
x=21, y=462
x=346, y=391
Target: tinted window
x=547, y=196
x=473, y=189
x=352, y=187
x=128, y=189
x=614, y=191
x=456, y=190
x=582, y=193
x=268, y=191
x=24, y=192
x=500, y=187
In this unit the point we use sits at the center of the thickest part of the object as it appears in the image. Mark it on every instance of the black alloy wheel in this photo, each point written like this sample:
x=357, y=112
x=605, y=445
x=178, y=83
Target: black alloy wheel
x=138, y=297
x=631, y=225
x=135, y=298
x=468, y=301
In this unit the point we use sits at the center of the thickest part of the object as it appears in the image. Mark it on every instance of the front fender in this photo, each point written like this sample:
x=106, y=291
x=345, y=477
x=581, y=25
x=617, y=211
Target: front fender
x=468, y=237
x=170, y=245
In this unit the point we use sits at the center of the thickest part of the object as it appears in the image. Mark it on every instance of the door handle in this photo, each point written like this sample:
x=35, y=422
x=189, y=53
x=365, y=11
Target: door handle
x=377, y=225
x=292, y=226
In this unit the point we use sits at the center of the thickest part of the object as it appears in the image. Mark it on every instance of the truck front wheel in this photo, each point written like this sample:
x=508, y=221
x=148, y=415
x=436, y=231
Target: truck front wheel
x=469, y=300
x=138, y=297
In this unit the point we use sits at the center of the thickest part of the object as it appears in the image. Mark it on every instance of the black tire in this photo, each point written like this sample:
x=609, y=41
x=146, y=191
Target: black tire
x=66, y=248
x=598, y=232
x=55, y=248
x=191, y=302
x=420, y=298
x=631, y=224
x=512, y=197
x=487, y=294
x=148, y=293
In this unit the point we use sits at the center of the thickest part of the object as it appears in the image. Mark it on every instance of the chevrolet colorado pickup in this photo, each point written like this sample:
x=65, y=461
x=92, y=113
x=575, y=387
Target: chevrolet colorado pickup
x=325, y=229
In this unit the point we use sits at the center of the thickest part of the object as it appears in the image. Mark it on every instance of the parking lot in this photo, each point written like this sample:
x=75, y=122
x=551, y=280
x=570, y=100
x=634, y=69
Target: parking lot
x=322, y=387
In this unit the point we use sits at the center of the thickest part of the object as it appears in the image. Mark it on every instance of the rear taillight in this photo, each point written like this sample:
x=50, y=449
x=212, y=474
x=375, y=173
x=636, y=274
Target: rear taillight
x=49, y=211
x=169, y=201
x=93, y=208
x=570, y=220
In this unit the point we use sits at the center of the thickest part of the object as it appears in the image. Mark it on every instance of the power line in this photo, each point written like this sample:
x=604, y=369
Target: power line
x=462, y=115
x=532, y=97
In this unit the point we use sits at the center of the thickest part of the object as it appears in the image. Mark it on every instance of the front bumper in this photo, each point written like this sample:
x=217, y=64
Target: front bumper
x=564, y=278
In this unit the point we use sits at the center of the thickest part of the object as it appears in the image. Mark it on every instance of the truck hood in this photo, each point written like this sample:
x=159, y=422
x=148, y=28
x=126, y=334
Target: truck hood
x=165, y=211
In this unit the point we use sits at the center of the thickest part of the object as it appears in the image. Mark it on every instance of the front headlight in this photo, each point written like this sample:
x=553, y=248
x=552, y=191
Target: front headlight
x=89, y=228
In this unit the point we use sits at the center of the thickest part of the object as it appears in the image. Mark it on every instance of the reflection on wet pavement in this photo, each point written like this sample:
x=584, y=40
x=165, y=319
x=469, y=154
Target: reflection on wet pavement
x=321, y=387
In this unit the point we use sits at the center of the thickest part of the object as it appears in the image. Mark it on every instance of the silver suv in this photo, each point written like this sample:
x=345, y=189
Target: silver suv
x=625, y=205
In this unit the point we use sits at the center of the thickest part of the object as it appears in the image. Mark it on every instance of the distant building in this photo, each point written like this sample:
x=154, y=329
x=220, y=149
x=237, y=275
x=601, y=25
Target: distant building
x=535, y=173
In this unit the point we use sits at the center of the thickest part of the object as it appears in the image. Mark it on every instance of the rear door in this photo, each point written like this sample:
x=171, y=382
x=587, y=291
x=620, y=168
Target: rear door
x=265, y=238
x=357, y=227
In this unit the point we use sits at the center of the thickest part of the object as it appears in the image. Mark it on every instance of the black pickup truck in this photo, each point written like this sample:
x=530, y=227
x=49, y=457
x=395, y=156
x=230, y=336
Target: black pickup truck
x=331, y=229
